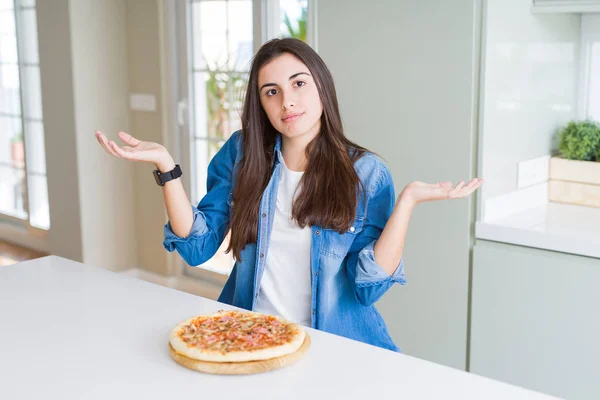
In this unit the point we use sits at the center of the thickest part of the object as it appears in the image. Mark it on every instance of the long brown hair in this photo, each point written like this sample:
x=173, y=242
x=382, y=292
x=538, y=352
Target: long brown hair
x=330, y=184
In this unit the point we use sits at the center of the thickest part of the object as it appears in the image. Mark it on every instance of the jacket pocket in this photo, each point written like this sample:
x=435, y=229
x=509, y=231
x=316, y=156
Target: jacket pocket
x=336, y=244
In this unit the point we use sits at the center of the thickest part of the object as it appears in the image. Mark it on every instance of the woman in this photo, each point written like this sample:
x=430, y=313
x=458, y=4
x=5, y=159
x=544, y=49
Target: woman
x=316, y=229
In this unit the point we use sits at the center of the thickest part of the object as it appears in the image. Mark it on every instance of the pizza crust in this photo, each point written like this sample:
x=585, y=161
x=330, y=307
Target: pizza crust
x=194, y=353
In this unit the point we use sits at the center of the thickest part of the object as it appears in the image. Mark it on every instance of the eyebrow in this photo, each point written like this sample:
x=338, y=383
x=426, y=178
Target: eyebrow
x=291, y=77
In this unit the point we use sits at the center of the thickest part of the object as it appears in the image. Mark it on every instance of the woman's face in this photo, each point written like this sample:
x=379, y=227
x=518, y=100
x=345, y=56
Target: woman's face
x=289, y=96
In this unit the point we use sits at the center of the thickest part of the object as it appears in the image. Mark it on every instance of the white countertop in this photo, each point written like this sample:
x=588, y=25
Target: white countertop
x=71, y=331
x=553, y=226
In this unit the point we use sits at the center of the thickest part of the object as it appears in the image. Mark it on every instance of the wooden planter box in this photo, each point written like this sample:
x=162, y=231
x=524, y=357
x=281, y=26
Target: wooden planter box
x=574, y=182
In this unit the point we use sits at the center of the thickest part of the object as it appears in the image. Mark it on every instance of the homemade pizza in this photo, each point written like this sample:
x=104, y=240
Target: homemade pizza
x=235, y=337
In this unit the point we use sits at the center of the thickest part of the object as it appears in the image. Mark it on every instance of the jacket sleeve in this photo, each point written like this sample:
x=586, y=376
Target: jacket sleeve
x=369, y=279
x=211, y=216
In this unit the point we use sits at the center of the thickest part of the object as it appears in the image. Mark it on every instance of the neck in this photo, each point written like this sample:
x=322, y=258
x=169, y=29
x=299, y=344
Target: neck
x=293, y=148
x=294, y=152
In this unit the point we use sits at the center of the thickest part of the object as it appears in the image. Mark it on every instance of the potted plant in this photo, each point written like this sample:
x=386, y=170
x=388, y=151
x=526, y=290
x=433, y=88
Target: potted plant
x=17, y=150
x=574, y=175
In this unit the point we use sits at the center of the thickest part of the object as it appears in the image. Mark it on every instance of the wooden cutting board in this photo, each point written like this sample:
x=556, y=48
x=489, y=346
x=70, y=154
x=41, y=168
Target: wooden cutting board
x=241, y=368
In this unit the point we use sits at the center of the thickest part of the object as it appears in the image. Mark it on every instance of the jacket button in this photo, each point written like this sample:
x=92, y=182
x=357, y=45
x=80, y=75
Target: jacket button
x=314, y=312
x=262, y=255
x=318, y=232
x=352, y=229
x=317, y=273
x=264, y=215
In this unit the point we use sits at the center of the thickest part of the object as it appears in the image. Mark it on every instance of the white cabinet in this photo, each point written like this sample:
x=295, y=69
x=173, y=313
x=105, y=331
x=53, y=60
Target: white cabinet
x=536, y=319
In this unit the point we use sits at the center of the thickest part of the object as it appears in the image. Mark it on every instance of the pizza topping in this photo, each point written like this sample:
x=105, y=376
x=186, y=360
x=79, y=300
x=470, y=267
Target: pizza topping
x=236, y=331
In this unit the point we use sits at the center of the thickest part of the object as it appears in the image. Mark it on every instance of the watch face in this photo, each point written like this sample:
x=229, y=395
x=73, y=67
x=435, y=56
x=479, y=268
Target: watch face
x=157, y=178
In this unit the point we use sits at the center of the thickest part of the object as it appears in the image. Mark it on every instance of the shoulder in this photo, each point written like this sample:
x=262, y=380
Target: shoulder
x=373, y=172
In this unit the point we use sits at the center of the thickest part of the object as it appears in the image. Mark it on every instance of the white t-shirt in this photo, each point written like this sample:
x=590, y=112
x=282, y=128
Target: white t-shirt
x=285, y=288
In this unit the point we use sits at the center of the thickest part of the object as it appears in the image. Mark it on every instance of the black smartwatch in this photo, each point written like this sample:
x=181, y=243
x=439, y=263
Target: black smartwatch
x=163, y=177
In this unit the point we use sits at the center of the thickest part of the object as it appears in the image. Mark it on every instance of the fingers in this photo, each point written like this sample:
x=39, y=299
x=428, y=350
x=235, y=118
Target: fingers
x=105, y=143
x=123, y=152
x=455, y=192
x=469, y=188
x=127, y=138
x=447, y=185
x=113, y=149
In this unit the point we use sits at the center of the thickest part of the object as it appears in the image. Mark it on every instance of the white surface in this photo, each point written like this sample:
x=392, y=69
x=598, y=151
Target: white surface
x=533, y=171
x=142, y=102
x=553, y=226
x=516, y=201
x=70, y=331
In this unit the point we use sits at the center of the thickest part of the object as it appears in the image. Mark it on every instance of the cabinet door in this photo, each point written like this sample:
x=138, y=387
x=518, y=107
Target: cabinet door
x=535, y=319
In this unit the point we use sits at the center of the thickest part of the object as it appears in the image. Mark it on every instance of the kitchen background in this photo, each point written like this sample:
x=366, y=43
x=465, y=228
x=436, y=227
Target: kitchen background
x=502, y=284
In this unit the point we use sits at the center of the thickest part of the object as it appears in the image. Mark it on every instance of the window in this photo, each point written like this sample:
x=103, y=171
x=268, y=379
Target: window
x=222, y=43
x=23, y=183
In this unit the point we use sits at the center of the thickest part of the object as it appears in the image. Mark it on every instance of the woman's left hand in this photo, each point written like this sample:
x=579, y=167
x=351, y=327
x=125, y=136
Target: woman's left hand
x=420, y=192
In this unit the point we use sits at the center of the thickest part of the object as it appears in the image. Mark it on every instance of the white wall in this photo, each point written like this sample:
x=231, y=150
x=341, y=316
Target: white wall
x=145, y=73
x=56, y=72
x=98, y=36
x=83, y=64
x=406, y=74
x=529, y=89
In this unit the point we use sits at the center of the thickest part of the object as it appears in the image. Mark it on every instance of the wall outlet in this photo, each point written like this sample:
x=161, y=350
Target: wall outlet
x=533, y=171
x=142, y=102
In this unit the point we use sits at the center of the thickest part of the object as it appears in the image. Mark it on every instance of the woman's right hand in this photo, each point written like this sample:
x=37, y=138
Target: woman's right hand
x=137, y=150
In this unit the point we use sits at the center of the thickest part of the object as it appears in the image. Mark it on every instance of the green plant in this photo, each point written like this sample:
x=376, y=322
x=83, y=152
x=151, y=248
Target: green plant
x=580, y=140
x=299, y=33
x=18, y=137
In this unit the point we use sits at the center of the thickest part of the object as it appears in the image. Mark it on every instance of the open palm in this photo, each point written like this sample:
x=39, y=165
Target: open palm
x=135, y=150
x=420, y=192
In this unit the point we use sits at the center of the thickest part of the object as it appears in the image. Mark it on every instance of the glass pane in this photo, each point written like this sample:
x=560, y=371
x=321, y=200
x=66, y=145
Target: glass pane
x=594, y=90
x=38, y=201
x=8, y=38
x=241, y=47
x=36, y=155
x=219, y=103
x=27, y=3
x=238, y=84
x=32, y=95
x=11, y=142
x=293, y=18
x=28, y=37
x=209, y=27
x=12, y=191
x=6, y=5
x=7, y=23
x=205, y=150
x=10, y=98
x=200, y=109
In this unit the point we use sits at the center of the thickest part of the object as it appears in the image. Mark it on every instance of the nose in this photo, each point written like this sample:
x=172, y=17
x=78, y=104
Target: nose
x=289, y=100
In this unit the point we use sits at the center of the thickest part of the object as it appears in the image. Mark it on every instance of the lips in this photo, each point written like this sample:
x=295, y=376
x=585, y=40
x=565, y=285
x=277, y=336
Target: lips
x=292, y=117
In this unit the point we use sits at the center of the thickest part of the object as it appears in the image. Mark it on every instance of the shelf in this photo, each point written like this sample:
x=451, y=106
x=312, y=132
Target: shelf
x=559, y=227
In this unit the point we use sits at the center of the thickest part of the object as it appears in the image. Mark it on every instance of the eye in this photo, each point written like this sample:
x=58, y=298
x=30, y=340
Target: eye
x=300, y=83
x=271, y=92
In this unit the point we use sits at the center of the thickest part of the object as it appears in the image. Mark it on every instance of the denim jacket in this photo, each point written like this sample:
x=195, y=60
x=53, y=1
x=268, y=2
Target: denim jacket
x=346, y=280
